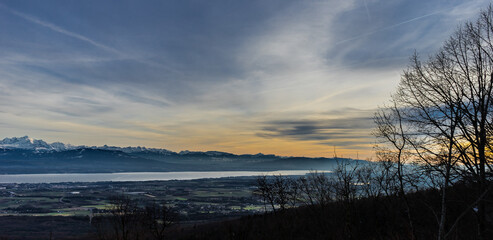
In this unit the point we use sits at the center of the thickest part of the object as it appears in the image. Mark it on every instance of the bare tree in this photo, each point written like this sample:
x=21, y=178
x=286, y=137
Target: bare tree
x=345, y=181
x=266, y=191
x=368, y=177
x=432, y=115
x=122, y=221
x=278, y=191
x=125, y=214
x=281, y=189
x=294, y=193
x=393, y=134
x=442, y=114
x=384, y=175
x=316, y=189
x=158, y=218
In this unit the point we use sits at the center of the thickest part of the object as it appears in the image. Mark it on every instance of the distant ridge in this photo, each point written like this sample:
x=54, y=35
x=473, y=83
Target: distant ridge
x=27, y=155
x=27, y=143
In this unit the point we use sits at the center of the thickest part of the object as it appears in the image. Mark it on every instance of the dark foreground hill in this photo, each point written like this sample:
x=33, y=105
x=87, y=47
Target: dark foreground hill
x=369, y=218
x=382, y=217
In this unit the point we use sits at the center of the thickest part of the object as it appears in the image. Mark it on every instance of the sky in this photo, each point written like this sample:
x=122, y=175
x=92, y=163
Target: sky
x=292, y=78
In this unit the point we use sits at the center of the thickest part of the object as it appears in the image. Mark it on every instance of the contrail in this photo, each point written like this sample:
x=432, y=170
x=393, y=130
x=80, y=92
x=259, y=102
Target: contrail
x=367, y=11
x=387, y=28
x=61, y=30
x=58, y=29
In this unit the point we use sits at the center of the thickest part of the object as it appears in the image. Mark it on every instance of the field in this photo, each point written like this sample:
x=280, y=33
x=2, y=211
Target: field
x=43, y=209
x=224, y=196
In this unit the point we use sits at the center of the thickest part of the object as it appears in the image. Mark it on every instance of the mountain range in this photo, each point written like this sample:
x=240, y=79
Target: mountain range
x=19, y=155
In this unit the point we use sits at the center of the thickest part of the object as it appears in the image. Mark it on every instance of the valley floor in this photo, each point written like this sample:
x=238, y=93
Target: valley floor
x=62, y=209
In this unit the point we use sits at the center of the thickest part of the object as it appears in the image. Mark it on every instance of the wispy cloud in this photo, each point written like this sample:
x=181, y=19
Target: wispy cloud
x=389, y=27
x=284, y=77
x=59, y=29
x=140, y=98
x=352, y=129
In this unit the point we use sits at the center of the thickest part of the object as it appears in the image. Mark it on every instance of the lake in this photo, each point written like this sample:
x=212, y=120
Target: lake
x=134, y=176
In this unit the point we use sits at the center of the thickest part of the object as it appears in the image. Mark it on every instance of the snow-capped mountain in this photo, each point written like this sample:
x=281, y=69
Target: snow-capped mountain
x=133, y=149
x=28, y=143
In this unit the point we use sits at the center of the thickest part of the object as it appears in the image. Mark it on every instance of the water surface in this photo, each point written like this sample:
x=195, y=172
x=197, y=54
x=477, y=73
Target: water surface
x=135, y=176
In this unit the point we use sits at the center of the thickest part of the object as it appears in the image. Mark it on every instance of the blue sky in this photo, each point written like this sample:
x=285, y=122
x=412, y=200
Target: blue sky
x=283, y=77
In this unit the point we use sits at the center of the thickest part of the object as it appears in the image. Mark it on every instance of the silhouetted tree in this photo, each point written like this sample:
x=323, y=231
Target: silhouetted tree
x=158, y=218
x=368, y=177
x=294, y=193
x=316, y=189
x=281, y=189
x=124, y=216
x=442, y=115
x=265, y=190
x=125, y=219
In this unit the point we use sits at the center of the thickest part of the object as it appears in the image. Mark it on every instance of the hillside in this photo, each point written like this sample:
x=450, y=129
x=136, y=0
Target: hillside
x=366, y=218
